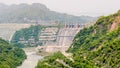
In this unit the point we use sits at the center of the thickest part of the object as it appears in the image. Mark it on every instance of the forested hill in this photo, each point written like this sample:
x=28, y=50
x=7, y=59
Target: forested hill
x=36, y=12
x=10, y=57
x=97, y=46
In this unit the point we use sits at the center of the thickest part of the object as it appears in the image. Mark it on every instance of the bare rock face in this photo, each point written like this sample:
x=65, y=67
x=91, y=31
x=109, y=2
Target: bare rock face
x=115, y=24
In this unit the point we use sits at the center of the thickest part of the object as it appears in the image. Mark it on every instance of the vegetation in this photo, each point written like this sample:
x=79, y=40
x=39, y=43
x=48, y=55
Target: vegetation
x=10, y=57
x=51, y=61
x=96, y=46
x=23, y=36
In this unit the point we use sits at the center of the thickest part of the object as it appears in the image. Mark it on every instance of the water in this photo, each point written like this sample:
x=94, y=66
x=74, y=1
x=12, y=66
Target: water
x=8, y=29
x=32, y=59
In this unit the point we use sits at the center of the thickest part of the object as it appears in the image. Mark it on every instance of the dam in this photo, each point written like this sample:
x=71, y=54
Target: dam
x=64, y=39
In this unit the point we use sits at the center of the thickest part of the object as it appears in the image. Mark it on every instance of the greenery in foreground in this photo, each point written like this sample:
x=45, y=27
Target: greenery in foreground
x=51, y=61
x=94, y=47
x=10, y=57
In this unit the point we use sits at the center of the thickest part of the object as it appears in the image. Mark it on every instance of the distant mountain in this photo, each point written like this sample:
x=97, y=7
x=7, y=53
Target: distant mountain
x=24, y=13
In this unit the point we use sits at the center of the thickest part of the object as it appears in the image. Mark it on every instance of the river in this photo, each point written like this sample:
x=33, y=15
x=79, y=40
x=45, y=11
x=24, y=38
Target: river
x=32, y=58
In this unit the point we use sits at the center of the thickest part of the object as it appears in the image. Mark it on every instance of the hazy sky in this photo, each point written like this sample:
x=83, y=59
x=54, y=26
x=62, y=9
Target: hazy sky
x=76, y=7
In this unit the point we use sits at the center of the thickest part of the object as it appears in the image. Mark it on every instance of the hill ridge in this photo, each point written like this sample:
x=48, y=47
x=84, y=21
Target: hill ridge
x=36, y=12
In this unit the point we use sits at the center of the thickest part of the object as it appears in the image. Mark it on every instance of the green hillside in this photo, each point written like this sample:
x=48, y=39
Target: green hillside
x=97, y=46
x=31, y=36
x=10, y=57
x=27, y=36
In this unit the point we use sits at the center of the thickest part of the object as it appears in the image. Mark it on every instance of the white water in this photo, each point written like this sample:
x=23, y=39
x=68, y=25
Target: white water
x=32, y=59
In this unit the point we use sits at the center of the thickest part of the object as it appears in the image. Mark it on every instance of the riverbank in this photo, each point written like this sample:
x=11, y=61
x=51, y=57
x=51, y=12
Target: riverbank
x=32, y=58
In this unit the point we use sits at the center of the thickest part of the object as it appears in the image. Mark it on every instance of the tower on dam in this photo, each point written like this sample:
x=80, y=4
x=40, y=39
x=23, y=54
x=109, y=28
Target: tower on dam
x=74, y=25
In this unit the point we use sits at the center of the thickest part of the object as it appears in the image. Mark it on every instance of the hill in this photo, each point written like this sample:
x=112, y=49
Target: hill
x=24, y=13
x=10, y=56
x=97, y=46
x=27, y=36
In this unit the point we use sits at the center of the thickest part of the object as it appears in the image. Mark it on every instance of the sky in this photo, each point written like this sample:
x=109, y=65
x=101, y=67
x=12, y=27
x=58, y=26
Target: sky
x=75, y=7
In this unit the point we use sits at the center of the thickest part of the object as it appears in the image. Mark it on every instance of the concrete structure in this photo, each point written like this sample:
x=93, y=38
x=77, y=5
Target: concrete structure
x=64, y=39
x=74, y=26
x=48, y=34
